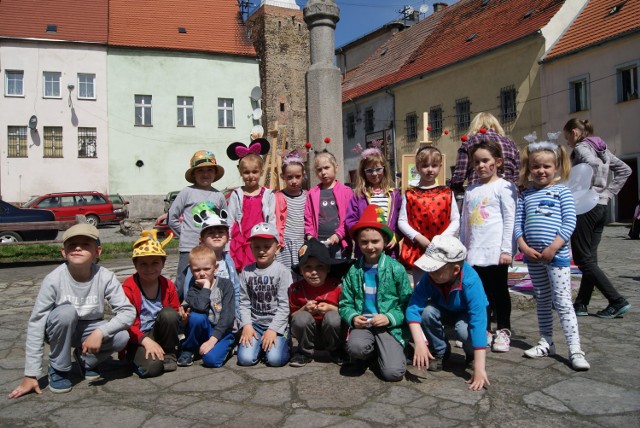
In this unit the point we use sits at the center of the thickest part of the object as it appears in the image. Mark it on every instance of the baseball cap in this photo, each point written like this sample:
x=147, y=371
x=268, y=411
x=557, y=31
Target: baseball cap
x=264, y=230
x=82, y=229
x=442, y=250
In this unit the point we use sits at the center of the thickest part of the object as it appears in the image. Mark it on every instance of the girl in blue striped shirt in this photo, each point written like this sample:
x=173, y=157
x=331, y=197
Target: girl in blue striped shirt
x=545, y=219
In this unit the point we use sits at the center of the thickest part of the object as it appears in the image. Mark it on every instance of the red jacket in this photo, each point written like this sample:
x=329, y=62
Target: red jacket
x=133, y=293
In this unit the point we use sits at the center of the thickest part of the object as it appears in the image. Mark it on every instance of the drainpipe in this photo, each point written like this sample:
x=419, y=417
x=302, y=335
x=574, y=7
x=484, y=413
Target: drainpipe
x=393, y=137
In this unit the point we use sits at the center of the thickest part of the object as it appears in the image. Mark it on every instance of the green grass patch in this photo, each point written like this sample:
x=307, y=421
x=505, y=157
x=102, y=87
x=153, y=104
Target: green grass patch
x=51, y=252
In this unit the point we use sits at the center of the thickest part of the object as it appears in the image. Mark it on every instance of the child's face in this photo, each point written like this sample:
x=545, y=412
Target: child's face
x=371, y=243
x=314, y=272
x=485, y=165
x=264, y=251
x=149, y=268
x=445, y=274
x=81, y=250
x=250, y=172
x=373, y=173
x=204, y=176
x=429, y=171
x=203, y=268
x=325, y=170
x=542, y=167
x=293, y=177
x=215, y=237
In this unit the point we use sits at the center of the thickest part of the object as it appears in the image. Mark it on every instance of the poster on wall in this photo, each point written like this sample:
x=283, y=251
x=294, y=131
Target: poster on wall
x=410, y=176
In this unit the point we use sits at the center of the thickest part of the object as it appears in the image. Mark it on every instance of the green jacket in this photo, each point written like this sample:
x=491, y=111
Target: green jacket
x=394, y=292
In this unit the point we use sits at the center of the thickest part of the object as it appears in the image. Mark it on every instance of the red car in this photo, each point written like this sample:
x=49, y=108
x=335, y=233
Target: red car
x=65, y=206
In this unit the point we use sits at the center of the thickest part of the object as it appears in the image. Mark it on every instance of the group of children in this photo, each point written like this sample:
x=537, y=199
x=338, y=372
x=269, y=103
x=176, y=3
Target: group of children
x=235, y=281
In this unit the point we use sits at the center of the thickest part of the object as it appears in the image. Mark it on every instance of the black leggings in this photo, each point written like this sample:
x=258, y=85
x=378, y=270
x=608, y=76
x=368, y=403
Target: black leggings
x=495, y=283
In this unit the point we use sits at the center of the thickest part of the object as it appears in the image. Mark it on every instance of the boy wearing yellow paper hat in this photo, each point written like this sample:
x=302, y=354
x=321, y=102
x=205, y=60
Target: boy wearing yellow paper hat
x=153, y=337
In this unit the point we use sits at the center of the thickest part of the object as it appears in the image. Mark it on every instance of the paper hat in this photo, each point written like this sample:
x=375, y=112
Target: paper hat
x=148, y=244
x=373, y=216
x=200, y=159
x=82, y=229
x=443, y=249
x=205, y=215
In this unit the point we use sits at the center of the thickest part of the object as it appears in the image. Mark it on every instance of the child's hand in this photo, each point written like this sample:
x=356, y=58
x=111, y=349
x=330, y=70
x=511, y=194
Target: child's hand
x=333, y=240
x=310, y=306
x=505, y=259
x=324, y=307
x=27, y=385
x=153, y=350
x=391, y=244
x=379, y=320
x=478, y=380
x=92, y=344
x=421, y=356
x=204, y=283
x=208, y=345
x=548, y=254
x=268, y=340
x=531, y=254
x=361, y=322
x=184, y=315
x=422, y=241
x=248, y=334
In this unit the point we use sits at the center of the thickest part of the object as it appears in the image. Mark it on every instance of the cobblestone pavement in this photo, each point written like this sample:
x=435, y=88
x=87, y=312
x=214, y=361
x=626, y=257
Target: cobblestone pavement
x=523, y=392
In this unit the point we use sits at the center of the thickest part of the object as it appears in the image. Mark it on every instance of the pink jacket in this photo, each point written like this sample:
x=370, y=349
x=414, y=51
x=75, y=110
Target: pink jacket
x=343, y=195
x=281, y=213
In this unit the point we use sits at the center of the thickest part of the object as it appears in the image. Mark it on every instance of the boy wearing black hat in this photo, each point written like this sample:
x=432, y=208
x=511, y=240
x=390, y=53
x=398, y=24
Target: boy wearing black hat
x=313, y=302
x=375, y=293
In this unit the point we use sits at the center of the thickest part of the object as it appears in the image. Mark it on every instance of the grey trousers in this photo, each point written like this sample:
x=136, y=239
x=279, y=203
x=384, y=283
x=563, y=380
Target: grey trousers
x=362, y=344
x=310, y=335
x=65, y=331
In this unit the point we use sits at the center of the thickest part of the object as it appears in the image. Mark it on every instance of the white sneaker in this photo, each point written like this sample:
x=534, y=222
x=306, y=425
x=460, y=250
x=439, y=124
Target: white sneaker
x=489, y=339
x=542, y=349
x=501, y=342
x=578, y=361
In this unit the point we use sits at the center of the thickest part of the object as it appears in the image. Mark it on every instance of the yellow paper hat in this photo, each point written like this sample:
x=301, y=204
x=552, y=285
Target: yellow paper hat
x=148, y=244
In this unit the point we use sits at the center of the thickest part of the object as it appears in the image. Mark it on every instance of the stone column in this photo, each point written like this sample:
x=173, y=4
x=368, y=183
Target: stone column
x=324, y=93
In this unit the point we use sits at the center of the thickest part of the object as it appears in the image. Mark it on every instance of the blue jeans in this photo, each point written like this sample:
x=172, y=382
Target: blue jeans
x=277, y=356
x=198, y=331
x=433, y=320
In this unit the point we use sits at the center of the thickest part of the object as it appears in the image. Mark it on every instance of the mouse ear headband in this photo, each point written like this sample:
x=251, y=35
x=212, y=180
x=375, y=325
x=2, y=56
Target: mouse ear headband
x=259, y=146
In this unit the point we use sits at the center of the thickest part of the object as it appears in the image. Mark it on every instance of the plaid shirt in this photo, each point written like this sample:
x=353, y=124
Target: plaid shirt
x=464, y=169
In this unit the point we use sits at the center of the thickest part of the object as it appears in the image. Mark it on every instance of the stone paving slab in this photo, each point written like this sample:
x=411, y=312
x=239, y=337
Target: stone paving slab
x=523, y=392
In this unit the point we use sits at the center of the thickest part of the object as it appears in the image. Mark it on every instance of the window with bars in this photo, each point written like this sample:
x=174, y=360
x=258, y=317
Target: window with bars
x=51, y=84
x=185, y=111
x=17, y=142
x=86, y=86
x=463, y=114
x=87, y=143
x=508, y=111
x=14, y=83
x=53, y=141
x=412, y=126
x=143, y=110
x=351, y=125
x=578, y=94
x=435, y=122
x=369, y=124
x=225, y=112
x=627, y=77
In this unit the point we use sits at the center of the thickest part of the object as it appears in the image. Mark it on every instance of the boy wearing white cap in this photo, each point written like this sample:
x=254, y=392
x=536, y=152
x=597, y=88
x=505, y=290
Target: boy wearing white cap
x=69, y=312
x=451, y=293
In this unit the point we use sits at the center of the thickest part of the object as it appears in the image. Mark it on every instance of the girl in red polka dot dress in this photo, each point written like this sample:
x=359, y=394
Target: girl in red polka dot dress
x=428, y=209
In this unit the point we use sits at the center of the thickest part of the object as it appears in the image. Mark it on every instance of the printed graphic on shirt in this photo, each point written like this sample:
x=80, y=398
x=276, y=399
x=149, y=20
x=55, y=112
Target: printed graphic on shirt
x=478, y=210
x=84, y=305
x=263, y=292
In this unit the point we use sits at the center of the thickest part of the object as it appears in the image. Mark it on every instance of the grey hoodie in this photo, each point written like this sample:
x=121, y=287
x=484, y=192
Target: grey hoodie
x=593, y=151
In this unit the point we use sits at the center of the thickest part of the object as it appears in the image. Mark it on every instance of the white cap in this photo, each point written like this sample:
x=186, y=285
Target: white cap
x=443, y=249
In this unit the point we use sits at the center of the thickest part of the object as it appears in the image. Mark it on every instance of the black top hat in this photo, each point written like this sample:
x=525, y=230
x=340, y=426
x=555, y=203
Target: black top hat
x=315, y=248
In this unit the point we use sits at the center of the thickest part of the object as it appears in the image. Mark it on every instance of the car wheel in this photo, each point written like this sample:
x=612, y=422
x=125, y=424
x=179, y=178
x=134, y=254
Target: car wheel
x=93, y=220
x=8, y=237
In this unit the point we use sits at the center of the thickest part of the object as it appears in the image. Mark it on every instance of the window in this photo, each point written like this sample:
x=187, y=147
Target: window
x=627, y=77
x=14, y=83
x=143, y=110
x=185, y=111
x=578, y=94
x=17, y=142
x=508, y=110
x=463, y=114
x=86, y=86
x=435, y=122
x=412, y=127
x=87, y=145
x=52, y=141
x=51, y=84
x=351, y=125
x=225, y=112
x=368, y=120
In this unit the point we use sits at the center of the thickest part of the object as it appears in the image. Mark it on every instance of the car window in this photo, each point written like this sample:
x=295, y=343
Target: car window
x=116, y=199
x=67, y=201
x=49, y=202
x=96, y=199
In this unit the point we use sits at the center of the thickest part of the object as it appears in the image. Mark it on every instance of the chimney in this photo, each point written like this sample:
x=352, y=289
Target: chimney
x=437, y=7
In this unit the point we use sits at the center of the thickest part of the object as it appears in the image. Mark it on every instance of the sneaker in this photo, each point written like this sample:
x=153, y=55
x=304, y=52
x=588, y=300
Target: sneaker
x=170, y=363
x=578, y=361
x=338, y=357
x=489, y=339
x=581, y=310
x=614, y=311
x=436, y=364
x=87, y=373
x=185, y=359
x=542, y=349
x=501, y=342
x=299, y=360
x=59, y=382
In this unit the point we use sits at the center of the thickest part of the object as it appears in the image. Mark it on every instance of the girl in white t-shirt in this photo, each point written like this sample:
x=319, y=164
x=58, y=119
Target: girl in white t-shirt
x=488, y=216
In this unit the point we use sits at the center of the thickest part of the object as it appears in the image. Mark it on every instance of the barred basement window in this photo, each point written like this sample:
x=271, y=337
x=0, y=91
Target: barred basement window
x=412, y=127
x=351, y=125
x=53, y=141
x=463, y=114
x=368, y=120
x=87, y=143
x=435, y=122
x=17, y=142
x=508, y=110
